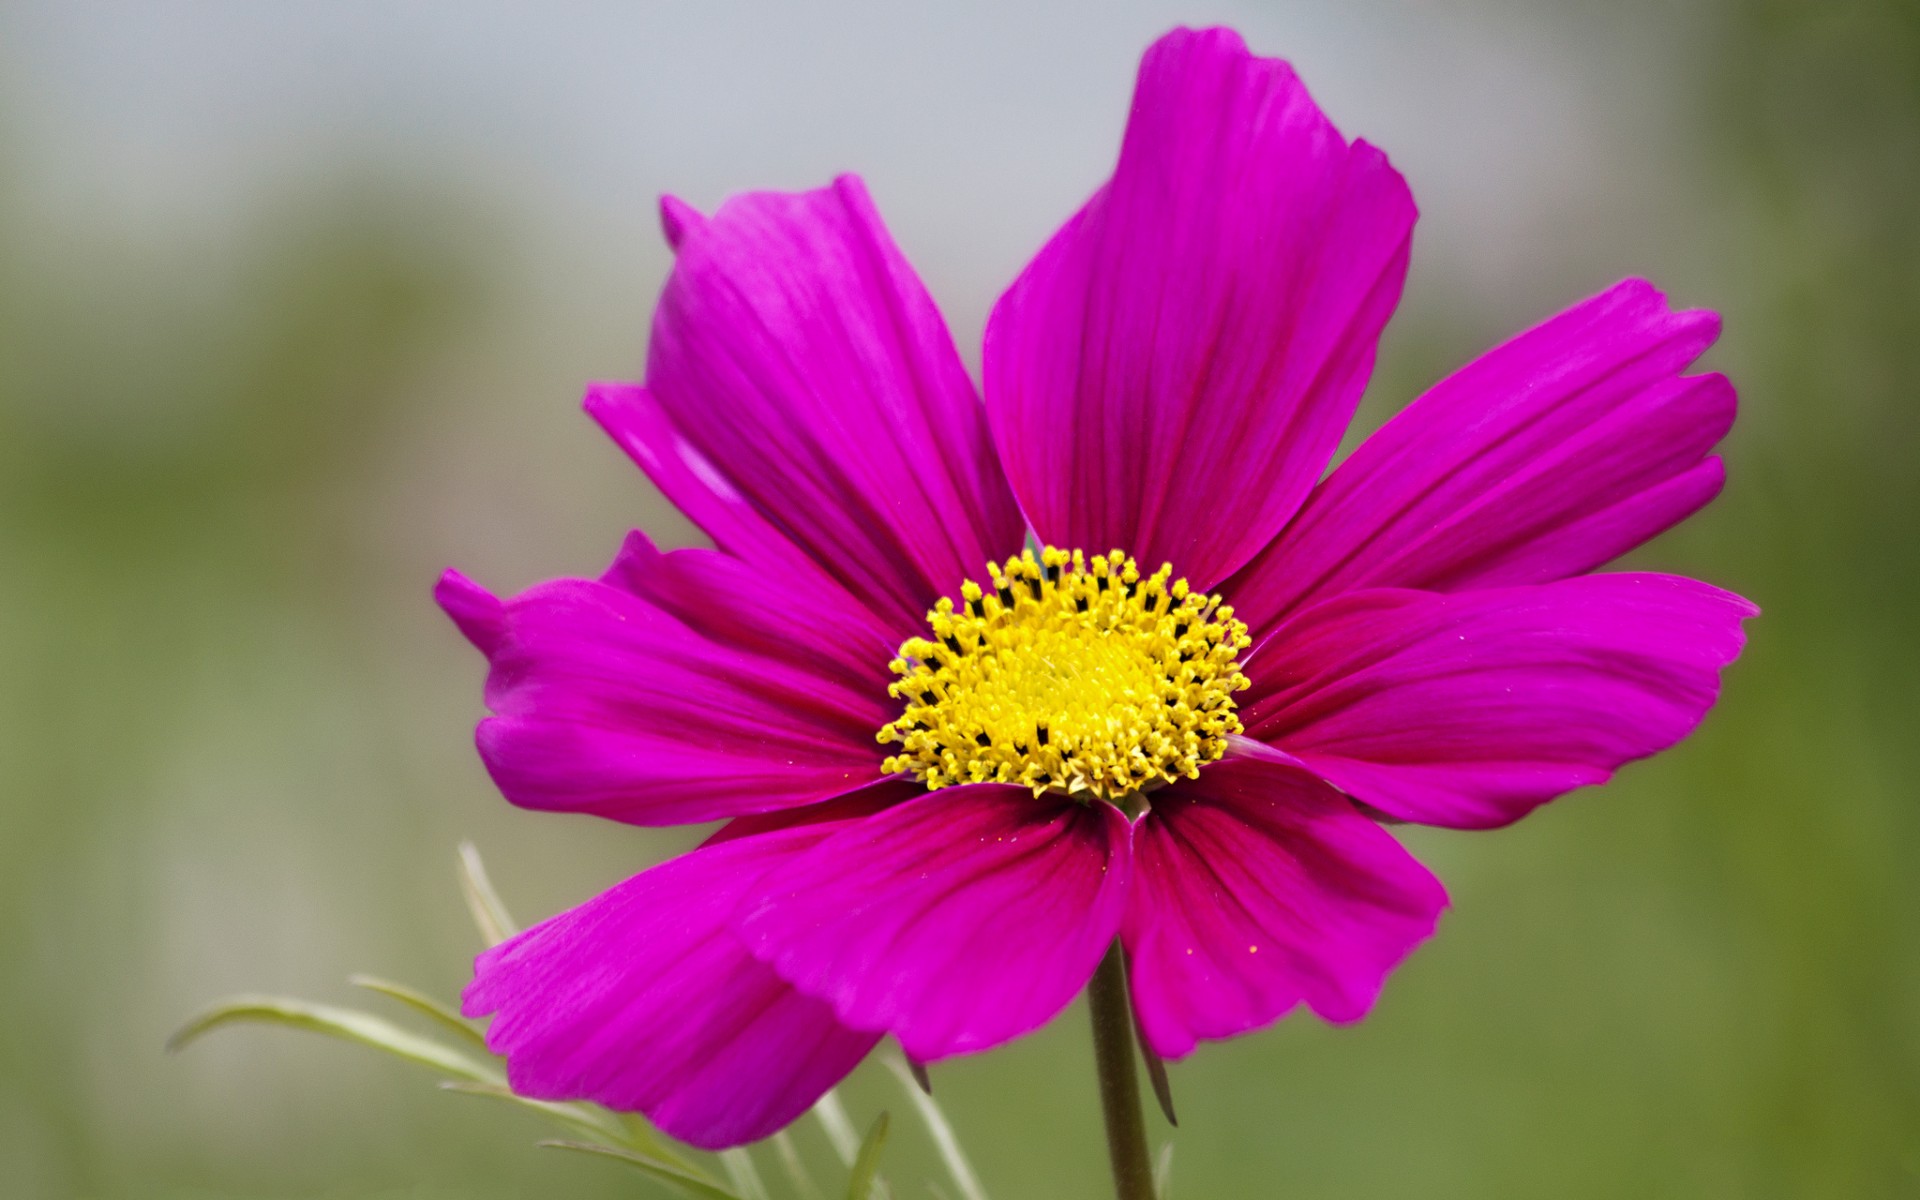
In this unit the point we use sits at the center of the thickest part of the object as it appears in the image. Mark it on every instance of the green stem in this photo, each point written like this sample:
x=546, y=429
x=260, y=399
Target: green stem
x=1119, y=1086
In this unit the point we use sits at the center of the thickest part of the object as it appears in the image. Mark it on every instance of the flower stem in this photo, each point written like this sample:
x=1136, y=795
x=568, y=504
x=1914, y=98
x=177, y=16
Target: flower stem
x=1119, y=1086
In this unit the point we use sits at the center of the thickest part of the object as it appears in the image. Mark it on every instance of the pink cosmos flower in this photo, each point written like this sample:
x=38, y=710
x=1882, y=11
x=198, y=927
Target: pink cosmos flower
x=955, y=771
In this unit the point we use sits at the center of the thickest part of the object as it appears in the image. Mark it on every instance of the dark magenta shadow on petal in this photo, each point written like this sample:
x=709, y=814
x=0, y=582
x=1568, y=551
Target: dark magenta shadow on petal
x=864, y=802
x=1257, y=888
x=956, y=921
x=732, y=604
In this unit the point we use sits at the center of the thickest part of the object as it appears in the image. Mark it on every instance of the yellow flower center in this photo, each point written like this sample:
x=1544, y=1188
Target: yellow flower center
x=1070, y=675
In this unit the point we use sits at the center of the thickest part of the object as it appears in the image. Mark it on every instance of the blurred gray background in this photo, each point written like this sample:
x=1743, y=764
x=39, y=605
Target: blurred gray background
x=296, y=304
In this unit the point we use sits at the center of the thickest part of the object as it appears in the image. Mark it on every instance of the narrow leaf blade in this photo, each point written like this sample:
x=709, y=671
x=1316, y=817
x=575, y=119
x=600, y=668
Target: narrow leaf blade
x=833, y=1119
x=920, y=1076
x=797, y=1173
x=744, y=1176
x=489, y=914
x=1156, y=1068
x=423, y=1004
x=344, y=1023
x=1157, y=1075
x=641, y=1136
x=684, y=1181
x=866, y=1164
x=588, y=1120
x=944, y=1139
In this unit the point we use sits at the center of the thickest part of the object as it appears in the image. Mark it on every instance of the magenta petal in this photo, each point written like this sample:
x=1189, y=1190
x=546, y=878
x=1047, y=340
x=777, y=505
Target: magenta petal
x=894, y=789
x=726, y=600
x=607, y=704
x=676, y=218
x=955, y=922
x=799, y=370
x=1470, y=709
x=1255, y=888
x=475, y=611
x=1545, y=458
x=643, y=999
x=634, y=419
x=1173, y=371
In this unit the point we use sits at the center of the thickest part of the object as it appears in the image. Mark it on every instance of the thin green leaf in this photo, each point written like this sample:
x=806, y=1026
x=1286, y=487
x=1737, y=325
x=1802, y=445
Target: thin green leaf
x=1156, y=1068
x=1163, y=1172
x=797, y=1173
x=482, y=901
x=743, y=1174
x=595, y=1121
x=423, y=1004
x=477, y=1078
x=832, y=1116
x=943, y=1136
x=920, y=1076
x=345, y=1023
x=1157, y=1076
x=866, y=1164
x=685, y=1182
x=589, y=1118
x=644, y=1138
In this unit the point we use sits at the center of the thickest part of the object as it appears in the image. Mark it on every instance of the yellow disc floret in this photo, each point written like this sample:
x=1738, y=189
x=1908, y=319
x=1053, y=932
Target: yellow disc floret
x=1069, y=674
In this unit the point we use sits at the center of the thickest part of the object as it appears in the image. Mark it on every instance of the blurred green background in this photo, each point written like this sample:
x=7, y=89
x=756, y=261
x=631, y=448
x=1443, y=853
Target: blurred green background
x=296, y=303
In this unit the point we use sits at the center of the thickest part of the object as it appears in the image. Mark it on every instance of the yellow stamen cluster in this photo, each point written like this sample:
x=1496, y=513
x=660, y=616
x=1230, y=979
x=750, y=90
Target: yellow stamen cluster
x=1069, y=674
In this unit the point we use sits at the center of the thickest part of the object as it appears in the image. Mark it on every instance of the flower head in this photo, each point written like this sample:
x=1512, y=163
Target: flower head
x=955, y=770
x=1070, y=675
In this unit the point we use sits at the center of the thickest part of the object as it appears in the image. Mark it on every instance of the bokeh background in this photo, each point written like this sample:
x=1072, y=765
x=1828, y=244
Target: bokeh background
x=296, y=303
